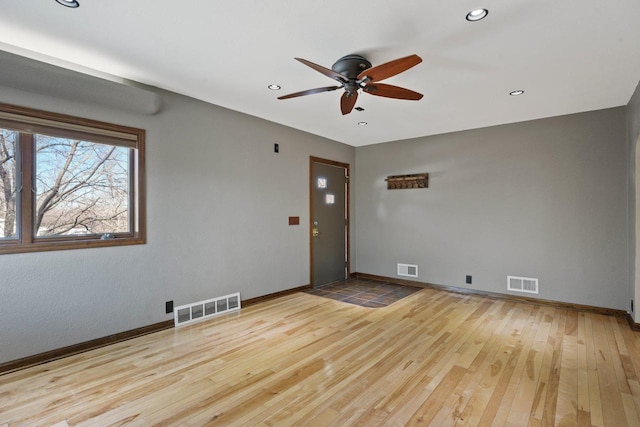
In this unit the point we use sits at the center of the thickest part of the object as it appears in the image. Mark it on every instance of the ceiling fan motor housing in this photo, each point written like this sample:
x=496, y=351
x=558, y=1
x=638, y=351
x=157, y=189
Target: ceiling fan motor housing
x=350, y=66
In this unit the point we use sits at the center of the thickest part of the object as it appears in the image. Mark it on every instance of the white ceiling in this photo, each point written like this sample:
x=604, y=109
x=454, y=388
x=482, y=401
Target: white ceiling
x=569, y=56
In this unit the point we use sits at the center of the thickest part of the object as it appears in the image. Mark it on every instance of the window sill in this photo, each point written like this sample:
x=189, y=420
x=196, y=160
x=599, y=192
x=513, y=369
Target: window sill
x=43, y=246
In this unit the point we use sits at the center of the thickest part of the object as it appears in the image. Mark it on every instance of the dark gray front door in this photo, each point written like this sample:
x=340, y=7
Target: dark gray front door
x=328, y=221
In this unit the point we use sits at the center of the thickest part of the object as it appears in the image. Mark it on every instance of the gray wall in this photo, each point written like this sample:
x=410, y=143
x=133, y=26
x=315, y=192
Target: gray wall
x=633, y=131
x=218, y=202
x=545, y=199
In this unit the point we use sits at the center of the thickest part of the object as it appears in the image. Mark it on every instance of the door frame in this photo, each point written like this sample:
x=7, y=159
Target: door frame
x=347, y=212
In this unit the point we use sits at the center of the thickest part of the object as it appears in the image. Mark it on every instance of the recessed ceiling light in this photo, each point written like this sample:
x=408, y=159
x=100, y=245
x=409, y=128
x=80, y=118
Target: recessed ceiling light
x=362, y=123
x=69, y=3
x=274, y=87
x=516, y=92
x=477, y=14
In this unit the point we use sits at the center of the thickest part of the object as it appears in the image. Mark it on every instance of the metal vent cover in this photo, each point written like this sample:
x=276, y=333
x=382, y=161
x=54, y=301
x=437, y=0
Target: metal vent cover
x=526, y=285
x=408, y=270
x=198, y=311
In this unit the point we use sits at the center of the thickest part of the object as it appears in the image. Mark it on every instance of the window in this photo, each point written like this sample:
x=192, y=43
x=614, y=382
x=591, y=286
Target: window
x=8, y=143
x=68, y=183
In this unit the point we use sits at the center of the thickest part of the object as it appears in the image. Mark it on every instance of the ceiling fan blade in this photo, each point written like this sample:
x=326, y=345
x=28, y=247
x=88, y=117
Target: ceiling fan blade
x=309, y=92
x=390, y=91
x=326, y=71
x=348, y=101
x=389, y=69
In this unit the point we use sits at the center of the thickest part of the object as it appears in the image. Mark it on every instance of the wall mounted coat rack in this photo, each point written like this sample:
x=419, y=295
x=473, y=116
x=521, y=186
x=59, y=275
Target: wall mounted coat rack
x=404, y=182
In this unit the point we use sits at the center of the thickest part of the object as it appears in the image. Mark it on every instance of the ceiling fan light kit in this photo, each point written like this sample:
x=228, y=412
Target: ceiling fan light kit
x=355, y=73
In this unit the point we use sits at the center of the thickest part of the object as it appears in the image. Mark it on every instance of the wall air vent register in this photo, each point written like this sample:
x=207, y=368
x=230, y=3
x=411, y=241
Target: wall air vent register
x=525, y=285
x=407, y=270
x=198, y=311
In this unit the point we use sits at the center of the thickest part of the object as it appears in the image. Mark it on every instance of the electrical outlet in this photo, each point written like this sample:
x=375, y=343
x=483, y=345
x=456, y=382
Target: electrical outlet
x=168, y=307
x=468, y=280
x=632, y=306
x=276, y=148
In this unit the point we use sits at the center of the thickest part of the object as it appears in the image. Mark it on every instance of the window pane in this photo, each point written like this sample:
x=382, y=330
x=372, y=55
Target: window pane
x=81, y=187
x=8, y=144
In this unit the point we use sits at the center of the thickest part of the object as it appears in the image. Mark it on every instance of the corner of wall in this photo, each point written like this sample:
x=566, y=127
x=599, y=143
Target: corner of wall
x=633, y=136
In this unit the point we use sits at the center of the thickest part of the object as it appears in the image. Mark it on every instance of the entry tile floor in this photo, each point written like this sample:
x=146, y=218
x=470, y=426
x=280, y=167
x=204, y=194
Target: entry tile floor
x=363, y=292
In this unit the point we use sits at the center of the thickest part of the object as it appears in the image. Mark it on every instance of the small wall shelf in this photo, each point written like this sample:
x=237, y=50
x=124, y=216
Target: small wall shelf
x=404, y=182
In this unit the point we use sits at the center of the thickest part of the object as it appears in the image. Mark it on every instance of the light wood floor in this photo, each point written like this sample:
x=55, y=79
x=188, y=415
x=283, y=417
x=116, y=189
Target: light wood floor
x=433, y=358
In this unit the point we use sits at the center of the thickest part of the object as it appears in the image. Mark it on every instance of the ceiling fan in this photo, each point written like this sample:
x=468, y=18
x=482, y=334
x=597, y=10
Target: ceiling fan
x=354, y=72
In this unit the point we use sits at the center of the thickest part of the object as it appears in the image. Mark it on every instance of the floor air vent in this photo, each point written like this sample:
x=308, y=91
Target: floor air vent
x=522, y=284
x=407, y=270
x=197, y=311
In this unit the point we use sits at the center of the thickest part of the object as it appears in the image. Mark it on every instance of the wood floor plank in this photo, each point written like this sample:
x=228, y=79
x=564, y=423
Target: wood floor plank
x=504, y=367
x=521, y=407
x=567, y=404
x=631, y=360
x=544, y=401
x=512, y=379
x=553, y=385
x=478, y=391
x=473, y=341
x=582, y=374
x=595, y=401
x=432, y=359
x=612, y=406
x=514, y=382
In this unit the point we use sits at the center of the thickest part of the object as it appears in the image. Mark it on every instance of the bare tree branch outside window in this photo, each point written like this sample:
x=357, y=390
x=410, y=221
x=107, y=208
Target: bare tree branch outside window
x=8, y=141
x=81, y=187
